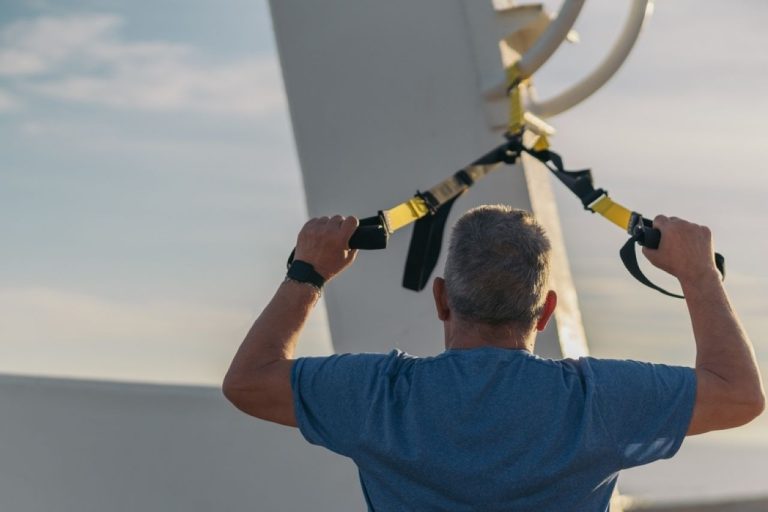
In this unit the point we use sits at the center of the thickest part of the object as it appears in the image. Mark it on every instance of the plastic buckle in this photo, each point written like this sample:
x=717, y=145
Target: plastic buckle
x=636, y=222
x=464, y=177
x=429, y=200
x=592, y=198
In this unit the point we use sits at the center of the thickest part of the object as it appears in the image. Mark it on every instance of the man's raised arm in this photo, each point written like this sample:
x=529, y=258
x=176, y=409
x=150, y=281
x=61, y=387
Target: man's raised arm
x=729, y=390
x=259, y=378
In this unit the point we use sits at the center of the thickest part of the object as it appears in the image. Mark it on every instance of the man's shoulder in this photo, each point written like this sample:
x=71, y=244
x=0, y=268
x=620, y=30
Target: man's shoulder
x=355, y=361
x=612, y=364
x=627, y=371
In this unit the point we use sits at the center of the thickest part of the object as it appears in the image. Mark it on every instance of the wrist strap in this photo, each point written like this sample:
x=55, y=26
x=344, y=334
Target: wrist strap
x=304, y=272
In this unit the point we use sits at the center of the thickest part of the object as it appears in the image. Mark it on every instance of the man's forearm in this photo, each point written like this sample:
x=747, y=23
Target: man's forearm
x=259, y=379
x=722, y=346
x=275, y=332
x=323, y=244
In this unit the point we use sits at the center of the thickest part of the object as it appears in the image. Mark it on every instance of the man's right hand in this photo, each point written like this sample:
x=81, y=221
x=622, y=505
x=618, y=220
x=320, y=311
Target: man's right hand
x=685, y=250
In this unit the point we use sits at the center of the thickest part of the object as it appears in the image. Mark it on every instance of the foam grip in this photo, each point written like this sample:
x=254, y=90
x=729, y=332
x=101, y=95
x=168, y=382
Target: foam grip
x=650, y=237
x=720, y=263
x=369, y=238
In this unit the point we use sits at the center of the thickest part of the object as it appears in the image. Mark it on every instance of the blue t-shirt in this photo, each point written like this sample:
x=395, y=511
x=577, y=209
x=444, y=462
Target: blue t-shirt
x=491, y=429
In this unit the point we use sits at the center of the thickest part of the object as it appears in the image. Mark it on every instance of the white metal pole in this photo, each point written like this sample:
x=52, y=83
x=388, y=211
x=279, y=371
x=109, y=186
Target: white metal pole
x=551, y=39
x=638, y=13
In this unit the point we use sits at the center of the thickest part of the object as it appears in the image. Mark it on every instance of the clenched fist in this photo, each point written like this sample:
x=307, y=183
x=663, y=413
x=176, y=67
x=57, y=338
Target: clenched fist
x=324, y=243
x=685, y=250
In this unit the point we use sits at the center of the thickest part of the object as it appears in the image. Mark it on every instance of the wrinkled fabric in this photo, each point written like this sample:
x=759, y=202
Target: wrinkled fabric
x=491, y=429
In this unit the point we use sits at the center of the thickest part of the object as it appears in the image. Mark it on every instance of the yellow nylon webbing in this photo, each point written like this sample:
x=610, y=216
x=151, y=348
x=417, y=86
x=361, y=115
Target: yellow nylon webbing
x=541, y=143
x=405, y=213
x=516, y=112
x=612, y=211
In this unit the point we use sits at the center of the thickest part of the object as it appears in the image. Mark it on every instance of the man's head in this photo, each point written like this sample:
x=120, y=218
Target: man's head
x=496, y=272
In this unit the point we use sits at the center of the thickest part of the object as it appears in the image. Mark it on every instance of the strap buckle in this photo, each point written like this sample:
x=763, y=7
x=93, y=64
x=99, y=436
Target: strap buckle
x=590, y=199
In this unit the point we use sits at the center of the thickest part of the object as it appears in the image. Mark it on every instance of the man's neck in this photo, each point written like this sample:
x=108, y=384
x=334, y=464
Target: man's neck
x=464, y=335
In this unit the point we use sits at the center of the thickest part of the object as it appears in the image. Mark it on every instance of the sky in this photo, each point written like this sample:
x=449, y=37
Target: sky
x=140, y=233
x=150, y=189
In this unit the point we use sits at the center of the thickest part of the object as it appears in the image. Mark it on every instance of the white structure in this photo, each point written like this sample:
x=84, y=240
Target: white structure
x=84, y=446
x=388, y=97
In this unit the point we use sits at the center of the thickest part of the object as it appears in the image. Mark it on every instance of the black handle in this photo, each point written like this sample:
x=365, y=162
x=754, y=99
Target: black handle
x=369, y=238
x=369, y=235
x=650, y=237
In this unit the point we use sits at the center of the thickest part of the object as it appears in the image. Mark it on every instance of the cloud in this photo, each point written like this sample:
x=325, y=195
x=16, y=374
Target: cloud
x=153, y=85
x=8, y=101
x=84, y=59
x=37, y=46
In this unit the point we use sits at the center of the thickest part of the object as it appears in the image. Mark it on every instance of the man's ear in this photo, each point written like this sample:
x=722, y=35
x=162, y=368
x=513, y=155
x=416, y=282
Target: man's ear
x=546, y=312
x=441, y=299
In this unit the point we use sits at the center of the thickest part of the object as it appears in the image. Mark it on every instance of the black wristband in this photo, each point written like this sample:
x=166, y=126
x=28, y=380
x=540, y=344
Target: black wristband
x=304, y=272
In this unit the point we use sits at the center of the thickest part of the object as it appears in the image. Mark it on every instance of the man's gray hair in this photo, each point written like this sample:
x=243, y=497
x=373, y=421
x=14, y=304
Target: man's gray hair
x=497, y=267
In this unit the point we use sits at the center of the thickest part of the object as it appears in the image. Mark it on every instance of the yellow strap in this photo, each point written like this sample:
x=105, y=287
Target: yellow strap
x=405, y=213
x=541, y=143
x=516, y=112
x=512, y=74
x=612, y=211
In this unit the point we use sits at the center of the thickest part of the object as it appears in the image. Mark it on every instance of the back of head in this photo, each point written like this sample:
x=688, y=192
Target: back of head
x=497, y=267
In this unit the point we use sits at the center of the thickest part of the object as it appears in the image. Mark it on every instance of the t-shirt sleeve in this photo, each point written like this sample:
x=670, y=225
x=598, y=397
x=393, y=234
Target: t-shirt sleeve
x=646, y=408
x=332, y=396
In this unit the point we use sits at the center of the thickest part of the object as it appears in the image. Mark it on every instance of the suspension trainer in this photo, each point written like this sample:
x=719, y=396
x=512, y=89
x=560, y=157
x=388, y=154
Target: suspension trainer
x=429, y=209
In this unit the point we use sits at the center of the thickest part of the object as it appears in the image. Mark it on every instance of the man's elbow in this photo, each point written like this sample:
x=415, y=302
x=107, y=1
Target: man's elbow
x=750, y=405
x=251, y=395
x=236, y=389
x=739, y=401
x=758, y=403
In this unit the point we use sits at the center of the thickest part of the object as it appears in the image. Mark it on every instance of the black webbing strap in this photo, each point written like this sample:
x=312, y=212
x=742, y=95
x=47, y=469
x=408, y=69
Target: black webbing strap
x=629, y=258
x=424, y=249
x=641, y=230
x=427, y=237
x=578, y=182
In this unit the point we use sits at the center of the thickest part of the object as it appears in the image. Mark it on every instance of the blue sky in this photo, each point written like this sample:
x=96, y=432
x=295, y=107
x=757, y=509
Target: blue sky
x=149, y=187
x=138, y=221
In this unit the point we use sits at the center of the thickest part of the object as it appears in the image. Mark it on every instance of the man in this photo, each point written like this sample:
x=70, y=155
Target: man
x=487, y=425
